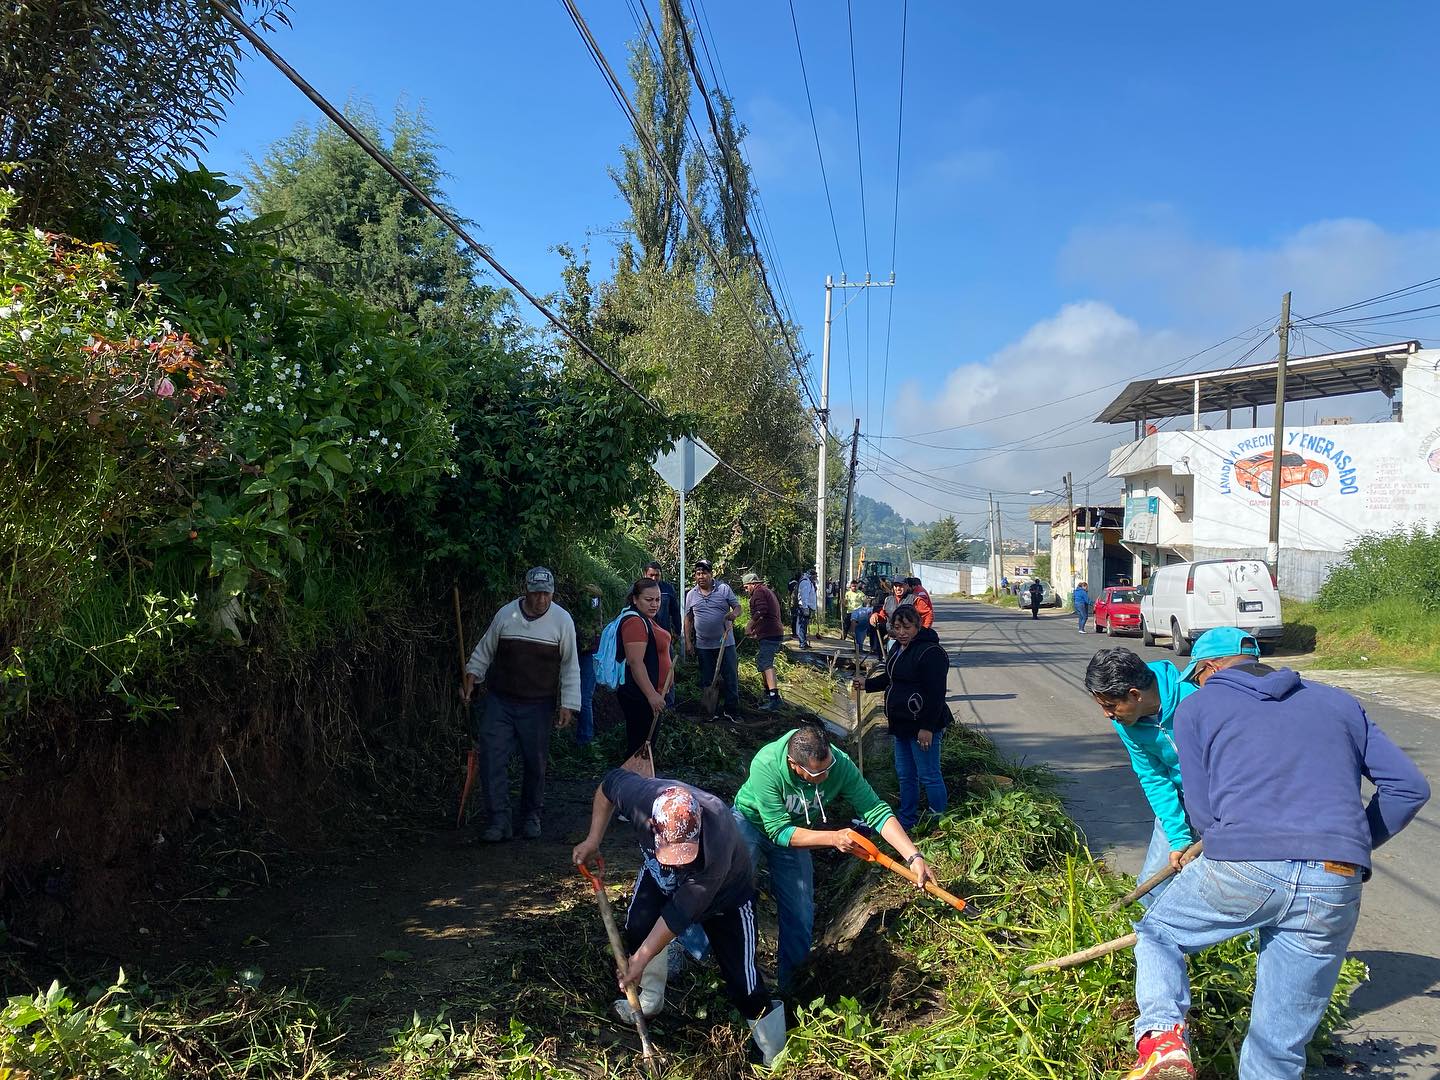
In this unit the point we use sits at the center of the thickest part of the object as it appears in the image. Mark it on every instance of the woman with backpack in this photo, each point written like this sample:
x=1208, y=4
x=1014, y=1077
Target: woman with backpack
x=914, y=680
x=645, y=648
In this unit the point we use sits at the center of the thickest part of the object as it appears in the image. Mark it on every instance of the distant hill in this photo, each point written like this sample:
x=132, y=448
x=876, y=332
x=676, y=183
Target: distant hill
x=882, y=532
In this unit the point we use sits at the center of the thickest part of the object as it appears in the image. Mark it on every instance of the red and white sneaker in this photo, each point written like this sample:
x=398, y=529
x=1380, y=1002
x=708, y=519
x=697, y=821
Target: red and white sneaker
x=1163, y=1056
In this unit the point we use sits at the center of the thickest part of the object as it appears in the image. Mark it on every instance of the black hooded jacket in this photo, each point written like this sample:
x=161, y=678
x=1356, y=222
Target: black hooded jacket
x=914, y=684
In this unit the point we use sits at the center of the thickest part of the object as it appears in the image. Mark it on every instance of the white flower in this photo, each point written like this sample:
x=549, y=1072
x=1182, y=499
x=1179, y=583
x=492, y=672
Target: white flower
x=39, y=234
x=367, y=361
x=25, y=334
x=5, y=312
x=110, y=319
x=394, y=453
x=66, y=331
x=374, y=433
x=166, y=324
x=384, y=441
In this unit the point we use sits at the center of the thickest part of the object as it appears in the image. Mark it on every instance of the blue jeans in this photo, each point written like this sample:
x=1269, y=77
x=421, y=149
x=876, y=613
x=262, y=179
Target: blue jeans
x=860, y=626
x=729, y=672
x=802, y=625
x=1305, y=915
x=1157, y=857
x=1082, y=612
x=585, y=722
x=915, y=767
x=792, y=883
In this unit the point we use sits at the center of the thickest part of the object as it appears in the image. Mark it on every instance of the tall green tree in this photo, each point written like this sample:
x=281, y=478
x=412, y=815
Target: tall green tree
x=940, y=542
x=350, y=226
x=93, y=92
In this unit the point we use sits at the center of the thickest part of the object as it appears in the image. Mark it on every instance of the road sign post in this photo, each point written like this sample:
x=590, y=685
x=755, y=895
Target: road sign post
x=682, y=467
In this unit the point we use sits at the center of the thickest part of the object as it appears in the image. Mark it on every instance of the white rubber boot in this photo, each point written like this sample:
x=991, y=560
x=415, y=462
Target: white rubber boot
x=652, y=990
x=769, y=1032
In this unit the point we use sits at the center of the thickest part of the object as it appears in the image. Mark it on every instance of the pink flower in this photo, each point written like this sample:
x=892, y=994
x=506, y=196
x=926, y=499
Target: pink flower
x=164, y=388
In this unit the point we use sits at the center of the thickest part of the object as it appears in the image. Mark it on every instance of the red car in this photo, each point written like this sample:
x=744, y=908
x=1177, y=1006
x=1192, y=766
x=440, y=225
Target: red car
x=1118, y=610
x=1254, y=472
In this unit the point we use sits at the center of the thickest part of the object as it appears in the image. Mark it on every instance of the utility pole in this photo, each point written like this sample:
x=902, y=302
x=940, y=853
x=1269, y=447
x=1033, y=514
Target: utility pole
x=820, y=477
x=1070, y=512
x=1277, y=447
x=1089, y=514
x=990, y=539
x=824, y=441
x=849, y=504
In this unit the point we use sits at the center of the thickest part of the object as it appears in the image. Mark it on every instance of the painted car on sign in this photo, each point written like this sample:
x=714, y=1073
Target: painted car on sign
x=1254, y=472
x=1117, y=611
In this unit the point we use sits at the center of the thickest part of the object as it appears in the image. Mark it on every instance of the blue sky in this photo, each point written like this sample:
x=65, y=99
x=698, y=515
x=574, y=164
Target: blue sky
x=1086, y=191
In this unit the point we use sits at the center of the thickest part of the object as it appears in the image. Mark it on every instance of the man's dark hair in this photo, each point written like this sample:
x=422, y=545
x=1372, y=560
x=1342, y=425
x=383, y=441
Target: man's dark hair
x=808, y=743
x=1113, y=673
x=906, y=614
x=653, y=565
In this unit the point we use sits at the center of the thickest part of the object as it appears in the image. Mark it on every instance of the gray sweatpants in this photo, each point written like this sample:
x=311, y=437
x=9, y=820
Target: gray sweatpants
x=505, y=723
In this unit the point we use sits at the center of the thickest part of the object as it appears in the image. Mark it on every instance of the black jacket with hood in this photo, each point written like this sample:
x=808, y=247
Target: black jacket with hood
x=914, y=684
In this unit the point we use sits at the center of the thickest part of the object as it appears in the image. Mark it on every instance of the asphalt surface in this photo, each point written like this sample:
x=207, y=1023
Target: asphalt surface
x=1022, y=683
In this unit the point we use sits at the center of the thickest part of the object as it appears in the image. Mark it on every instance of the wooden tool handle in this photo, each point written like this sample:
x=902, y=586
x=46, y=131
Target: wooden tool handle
x=911, y=876
x=1158, y=878
x=1105, y=948
x=622, y=959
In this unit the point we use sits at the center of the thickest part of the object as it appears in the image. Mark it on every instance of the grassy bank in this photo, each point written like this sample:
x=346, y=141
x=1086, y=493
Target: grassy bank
x=919, y=992
x=1393, y=632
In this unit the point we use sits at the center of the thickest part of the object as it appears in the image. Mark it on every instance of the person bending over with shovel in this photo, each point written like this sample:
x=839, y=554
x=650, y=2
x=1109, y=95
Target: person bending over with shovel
x=1140, y=699
x=696, y=872
x=1272, y=768
x=792, y=781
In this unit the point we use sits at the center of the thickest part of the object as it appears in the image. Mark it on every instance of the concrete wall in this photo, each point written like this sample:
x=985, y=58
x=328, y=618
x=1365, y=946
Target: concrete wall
x=950, y=579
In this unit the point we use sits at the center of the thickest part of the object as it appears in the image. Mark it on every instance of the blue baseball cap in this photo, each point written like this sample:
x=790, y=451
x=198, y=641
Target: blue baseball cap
x=1222, y=641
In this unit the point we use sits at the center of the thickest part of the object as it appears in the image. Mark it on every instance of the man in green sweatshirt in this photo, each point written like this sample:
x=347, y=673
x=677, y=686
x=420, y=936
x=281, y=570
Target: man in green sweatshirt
x=794, y=784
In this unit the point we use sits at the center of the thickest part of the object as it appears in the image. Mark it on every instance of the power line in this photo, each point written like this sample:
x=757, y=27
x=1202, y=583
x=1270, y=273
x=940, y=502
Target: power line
x=895, y=218
x=737, y=192
x=701, y=233
x=815, y=129
x=400, y=177
x=864, y=206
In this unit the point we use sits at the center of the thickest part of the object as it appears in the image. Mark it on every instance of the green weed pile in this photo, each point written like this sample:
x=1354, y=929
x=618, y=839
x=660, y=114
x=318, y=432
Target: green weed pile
x=922, y=992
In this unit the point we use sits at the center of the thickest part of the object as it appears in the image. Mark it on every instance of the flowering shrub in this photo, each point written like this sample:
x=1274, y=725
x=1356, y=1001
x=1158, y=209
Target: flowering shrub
x=105, y=412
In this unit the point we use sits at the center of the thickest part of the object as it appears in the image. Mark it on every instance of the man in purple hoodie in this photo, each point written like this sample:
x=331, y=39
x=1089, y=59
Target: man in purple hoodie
x=1271, y=768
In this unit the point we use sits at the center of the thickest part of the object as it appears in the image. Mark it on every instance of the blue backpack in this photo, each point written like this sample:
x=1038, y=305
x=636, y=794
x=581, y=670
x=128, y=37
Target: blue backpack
x=609, y=661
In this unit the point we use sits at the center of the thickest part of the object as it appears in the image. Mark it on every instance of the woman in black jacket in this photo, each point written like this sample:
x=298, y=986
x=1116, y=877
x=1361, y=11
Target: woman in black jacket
x=914, y=683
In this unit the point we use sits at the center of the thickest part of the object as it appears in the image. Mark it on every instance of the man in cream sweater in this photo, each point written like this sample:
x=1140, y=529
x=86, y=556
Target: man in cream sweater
x=526, y=660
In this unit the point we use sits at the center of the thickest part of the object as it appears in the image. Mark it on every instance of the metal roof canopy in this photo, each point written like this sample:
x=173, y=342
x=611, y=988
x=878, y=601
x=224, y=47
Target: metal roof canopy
x=1357, y=371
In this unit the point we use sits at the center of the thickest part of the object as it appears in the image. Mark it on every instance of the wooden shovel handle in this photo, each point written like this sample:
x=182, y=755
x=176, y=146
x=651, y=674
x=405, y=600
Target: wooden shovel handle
x=1094, y=952
x=617, y=949
x=1159, y=877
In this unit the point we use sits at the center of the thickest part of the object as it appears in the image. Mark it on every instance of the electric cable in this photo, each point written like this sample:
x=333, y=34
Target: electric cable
x=400, y=177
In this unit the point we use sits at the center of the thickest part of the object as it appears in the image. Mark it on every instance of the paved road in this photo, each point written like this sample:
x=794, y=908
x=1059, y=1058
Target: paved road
x=1021, y=682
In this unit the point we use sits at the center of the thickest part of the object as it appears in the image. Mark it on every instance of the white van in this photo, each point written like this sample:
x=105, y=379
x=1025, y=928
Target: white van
x=1183, y=600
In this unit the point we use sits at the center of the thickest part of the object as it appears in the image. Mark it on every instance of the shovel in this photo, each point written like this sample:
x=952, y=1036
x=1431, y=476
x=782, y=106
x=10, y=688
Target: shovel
x=1125, y=941
x=622, y=961
x=472, y=756
x=1159, y=877
x=710, y=698
x=870, y=853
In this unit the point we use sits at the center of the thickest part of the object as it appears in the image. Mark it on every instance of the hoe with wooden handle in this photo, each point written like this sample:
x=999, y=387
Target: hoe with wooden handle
x=622, y=960
x=870, y=853
x=1105, y=948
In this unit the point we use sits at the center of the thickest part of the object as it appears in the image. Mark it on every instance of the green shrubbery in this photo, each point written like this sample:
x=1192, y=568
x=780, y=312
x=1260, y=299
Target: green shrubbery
x=207, y=441
x=1380, y=606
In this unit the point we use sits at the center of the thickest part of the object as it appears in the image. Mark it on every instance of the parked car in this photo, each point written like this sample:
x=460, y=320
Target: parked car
x=1254, y=472
x=1117, y=611
x=1183, y=600
x=1048, y=596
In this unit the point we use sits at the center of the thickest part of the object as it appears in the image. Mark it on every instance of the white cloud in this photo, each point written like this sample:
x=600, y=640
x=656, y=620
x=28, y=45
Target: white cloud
x=1157, y=264
x=1055, y=375
x=1193, y=292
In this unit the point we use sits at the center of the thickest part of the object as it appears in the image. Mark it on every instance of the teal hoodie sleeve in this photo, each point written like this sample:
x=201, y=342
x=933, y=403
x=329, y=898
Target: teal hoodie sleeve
x=1160, y=791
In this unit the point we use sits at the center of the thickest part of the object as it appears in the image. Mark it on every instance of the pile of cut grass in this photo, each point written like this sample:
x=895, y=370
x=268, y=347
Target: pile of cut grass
x=930, y=995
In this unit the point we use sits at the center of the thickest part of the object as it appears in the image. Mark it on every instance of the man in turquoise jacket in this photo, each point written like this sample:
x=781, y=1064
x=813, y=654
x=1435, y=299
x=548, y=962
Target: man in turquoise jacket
x=794, y=785
x=1140, y=700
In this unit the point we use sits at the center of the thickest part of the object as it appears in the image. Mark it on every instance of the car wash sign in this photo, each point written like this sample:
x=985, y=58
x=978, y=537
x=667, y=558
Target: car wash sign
x=1312, y=464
